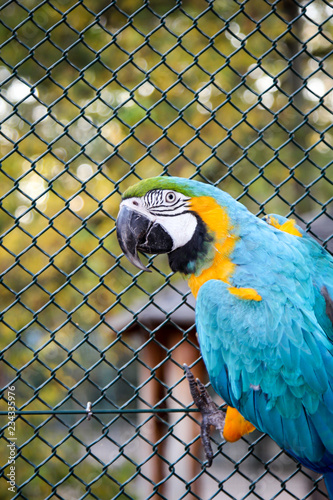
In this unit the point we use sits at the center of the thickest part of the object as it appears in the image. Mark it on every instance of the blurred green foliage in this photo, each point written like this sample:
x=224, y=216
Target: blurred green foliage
x=95, y=95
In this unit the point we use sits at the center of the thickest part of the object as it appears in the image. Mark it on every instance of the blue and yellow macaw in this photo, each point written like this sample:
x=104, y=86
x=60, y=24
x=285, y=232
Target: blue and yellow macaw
x=264, y=309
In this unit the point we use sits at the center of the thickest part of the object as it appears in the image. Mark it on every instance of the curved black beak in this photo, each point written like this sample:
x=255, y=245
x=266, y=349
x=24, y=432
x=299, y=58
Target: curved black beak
x=136, y=232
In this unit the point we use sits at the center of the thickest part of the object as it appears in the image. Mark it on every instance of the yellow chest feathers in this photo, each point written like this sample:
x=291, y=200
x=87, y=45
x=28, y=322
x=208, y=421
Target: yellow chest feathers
x=218, y=223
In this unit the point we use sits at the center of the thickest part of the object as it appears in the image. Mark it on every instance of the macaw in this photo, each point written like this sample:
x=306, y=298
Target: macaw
x=264, y=308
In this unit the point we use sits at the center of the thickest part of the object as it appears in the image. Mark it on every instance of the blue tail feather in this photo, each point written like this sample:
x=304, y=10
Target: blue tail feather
x=328, y=476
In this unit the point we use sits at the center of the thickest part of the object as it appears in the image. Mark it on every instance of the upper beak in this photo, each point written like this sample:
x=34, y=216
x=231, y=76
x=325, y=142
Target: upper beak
x=136, y=232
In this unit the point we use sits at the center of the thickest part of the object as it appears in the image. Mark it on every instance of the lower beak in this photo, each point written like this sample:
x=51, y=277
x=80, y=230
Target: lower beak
x=136, y=232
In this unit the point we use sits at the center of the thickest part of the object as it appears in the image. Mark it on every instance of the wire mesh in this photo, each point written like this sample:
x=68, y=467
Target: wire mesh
x=95, y=95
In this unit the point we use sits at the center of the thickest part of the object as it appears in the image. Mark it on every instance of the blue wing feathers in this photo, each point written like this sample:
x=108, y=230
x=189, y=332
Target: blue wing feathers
x=322, y=420
x=273, y=359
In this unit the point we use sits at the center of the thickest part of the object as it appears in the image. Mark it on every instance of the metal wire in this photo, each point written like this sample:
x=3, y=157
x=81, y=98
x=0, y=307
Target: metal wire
x=95, y=95
x=117, y=412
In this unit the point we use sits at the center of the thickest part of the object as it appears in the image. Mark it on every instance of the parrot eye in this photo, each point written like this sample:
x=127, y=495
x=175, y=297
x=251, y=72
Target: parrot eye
x=170, y=197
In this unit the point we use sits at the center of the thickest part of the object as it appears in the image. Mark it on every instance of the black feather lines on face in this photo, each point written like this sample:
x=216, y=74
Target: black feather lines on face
x=187, y=258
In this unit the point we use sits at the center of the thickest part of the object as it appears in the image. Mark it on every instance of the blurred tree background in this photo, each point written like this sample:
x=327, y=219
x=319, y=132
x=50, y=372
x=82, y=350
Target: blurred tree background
x=94, y=95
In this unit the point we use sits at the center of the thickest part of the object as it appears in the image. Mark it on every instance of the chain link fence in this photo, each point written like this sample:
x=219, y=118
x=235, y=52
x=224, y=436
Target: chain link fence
x=96, y=94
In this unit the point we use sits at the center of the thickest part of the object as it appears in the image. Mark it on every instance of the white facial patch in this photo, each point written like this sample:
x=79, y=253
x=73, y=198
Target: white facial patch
x=181, y=228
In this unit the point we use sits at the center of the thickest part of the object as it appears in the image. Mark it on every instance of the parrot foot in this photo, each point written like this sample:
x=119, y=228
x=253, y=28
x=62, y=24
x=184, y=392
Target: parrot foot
x=211, y=414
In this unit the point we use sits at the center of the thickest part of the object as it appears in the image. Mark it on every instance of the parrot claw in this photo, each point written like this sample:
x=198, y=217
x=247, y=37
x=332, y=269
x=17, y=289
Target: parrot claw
x=211, y=414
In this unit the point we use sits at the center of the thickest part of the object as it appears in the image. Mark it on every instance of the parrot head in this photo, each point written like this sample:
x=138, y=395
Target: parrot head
x=186, y=219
